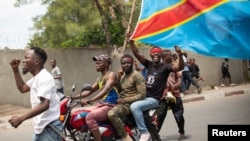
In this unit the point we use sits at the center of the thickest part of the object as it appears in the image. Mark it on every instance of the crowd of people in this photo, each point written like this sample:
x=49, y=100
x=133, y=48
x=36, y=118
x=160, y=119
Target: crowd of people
x=135, y=89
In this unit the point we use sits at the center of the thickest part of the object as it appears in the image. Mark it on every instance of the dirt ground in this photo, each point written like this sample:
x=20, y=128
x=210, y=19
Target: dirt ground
x=9, y=110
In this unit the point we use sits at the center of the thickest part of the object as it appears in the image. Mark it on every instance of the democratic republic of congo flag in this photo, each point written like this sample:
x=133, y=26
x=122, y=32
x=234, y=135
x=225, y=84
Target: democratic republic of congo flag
x=218, y=28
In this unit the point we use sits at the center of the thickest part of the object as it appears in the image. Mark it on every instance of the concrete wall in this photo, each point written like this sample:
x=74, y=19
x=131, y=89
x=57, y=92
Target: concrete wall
x=78, y=68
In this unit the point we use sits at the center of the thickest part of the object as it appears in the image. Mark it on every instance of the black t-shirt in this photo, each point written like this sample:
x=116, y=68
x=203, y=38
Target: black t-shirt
x=194, y=69
x=224, y=67
x=156, y=78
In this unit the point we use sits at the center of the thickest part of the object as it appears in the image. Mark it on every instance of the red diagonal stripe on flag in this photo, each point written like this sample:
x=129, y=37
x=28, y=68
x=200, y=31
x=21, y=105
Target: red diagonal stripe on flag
x=174, y=16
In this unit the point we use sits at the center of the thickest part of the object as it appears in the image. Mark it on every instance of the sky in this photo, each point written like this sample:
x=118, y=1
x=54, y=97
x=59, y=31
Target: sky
x=15, y=23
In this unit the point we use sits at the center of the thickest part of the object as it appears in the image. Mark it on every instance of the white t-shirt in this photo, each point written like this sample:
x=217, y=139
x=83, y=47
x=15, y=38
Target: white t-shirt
x=55, y=72
x=43, y=85
x=185, y=61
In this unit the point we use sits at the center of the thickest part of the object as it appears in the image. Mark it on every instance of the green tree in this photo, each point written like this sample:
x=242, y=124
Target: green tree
x=80, y=23
x=64, y=21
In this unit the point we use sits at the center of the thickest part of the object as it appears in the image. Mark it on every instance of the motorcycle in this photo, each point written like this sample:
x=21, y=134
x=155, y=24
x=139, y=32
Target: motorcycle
x=75, y=127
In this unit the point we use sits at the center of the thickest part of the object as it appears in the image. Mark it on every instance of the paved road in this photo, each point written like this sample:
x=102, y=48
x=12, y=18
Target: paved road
x=6, y=111
x=198, y=115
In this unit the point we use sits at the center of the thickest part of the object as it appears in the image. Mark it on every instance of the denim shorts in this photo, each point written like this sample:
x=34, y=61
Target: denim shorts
x=48, y=134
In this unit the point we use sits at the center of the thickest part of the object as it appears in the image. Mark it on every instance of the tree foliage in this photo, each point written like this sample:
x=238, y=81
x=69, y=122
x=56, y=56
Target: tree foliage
x=80, y=23
x=65, y=21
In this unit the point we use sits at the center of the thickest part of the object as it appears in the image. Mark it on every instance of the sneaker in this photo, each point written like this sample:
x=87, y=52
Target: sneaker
x=182, y=95
x=127, y=138
x=145, y=137
x=186, y=92
x=222, y=85
x=232, y=84
x=182, y=137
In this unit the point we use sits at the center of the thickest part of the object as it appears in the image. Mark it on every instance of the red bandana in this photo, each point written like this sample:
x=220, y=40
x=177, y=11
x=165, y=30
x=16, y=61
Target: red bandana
x=156, y=50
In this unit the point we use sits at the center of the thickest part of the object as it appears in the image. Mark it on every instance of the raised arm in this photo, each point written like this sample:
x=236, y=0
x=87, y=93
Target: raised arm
x=136, y=53
x=180, y=65
x=22, y=87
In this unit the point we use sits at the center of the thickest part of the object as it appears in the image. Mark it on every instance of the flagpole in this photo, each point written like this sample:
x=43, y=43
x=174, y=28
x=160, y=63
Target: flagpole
x=129, y=26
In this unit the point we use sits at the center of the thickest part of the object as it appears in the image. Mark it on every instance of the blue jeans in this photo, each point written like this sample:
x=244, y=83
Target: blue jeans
x=138, y=107
x=48, y=134
x=183, y=85
x=188, y=80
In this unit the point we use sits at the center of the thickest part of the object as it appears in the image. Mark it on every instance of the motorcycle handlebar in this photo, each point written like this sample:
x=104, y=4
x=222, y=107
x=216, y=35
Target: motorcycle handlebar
x=72, y=102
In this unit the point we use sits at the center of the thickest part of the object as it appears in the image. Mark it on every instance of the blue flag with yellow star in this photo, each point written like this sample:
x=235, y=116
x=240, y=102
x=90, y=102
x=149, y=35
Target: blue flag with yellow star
x=216, y=28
